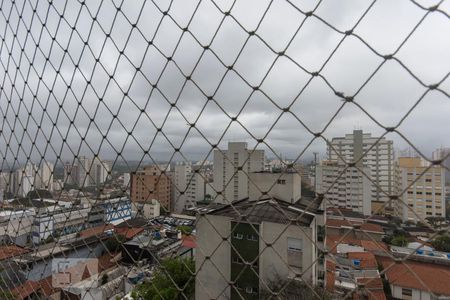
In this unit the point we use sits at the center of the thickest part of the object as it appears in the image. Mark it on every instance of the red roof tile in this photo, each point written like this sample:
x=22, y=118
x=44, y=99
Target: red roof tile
x=367, y=259
x=11, y=251
x=333, y=240
x=129, y=233
x=433, y=277
x=95, y=231
x=29, y=288
x=372, y=227
x=189, y=241
x=373, y=246
x=338, y=223
x=330, y=281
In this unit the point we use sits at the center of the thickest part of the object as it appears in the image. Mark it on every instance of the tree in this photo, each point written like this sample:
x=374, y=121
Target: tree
x=114, y=244
x=104, y=279
x=187, y=230
x=435, y=222
x=442, y=243
x=399, y=241
x=179, y=271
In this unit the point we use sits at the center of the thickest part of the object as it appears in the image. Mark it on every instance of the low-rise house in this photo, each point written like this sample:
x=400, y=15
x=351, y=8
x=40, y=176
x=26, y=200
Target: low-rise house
x=415, y=280
x=367, y=231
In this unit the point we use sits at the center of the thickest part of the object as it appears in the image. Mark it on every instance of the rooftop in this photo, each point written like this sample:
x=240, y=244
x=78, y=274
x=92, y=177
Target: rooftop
x=272, y=210
x=417, y=275
x=11, y=251
x=369, y=227
x=373, y=246
x=367, y=259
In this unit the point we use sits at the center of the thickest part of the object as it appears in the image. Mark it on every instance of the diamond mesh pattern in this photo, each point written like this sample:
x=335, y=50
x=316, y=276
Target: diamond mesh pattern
x=94, y=89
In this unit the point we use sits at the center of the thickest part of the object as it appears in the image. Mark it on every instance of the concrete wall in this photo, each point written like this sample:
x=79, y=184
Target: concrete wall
x=416, y=294
x=211, y=281
x=274, y=260
x=284, y=186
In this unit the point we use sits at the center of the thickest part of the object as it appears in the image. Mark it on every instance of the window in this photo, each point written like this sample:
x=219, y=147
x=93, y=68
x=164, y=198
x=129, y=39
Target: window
x=295, y=244
x=238, y=236
x=237, y=260
x=252, y=237
x=406, y=292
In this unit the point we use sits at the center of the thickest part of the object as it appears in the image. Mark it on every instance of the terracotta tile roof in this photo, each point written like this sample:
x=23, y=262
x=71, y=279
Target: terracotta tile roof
x=330, y=265
x=376, y=295
x=129, y=233
x=95, y=231
x=340, y=223
x=370, y=295
x=370, y=283
x=368, y=245
x=11, y=251
x=332, y=242
x=106, y=261
x=433, y=277
x=367, y=259
x=330, y=281
x=372, y=227
x=373, y=246
x=337, y=223
x=189, y=241
x=330, y=275
x=30, y=288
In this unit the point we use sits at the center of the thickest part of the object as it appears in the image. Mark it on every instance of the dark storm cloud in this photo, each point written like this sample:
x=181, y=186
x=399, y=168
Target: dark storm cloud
x=109, y=64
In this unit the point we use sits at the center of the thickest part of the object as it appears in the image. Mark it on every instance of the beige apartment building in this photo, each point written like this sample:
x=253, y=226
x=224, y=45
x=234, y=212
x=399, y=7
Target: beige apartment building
x=425, y=197
x=151, y=183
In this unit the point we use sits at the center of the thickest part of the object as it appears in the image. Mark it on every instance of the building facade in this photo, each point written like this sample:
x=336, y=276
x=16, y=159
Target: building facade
x=283, y=185
x=424, y=187
x=373, y=152
x=151, y=183
x=231, y=169
x=344, y=188
x=245, y=258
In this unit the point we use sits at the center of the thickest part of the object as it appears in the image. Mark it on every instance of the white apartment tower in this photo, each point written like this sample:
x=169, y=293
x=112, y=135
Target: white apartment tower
x=84, y=172
x=189, y=186
x=45, y=176
x=375, y=153
x=344, y=188
x=181, y=176
x=232, y=168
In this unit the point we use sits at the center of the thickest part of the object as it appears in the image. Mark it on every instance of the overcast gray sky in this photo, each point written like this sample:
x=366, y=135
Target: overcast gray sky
x=95, y=49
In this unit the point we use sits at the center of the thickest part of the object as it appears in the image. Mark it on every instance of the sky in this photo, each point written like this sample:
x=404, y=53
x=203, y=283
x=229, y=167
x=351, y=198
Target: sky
x=167, y=79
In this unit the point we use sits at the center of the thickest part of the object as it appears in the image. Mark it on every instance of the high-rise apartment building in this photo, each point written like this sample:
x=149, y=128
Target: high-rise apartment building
x=24, y=180
x=87, y=172
x=189, y=186
x=181, y=177
x=44, y=178
x=444, y=154
x=425, y=192
x=231, y=169
x=151, y=183
x=70, y=173
x=344, y=188
x=373, y=152
x=100, y=171
x=84, y=172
